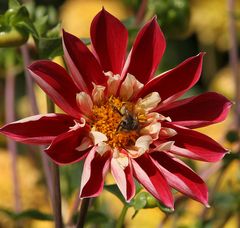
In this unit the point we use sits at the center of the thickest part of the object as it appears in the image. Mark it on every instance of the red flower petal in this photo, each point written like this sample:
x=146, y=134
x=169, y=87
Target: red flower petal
x=146, y=53
x=150, y=177
x=181, y=177
x=55, y=82
x=174, y=83
x=94, y=171
x=195, y=145
x=198, y=111
x=82, y=64
x=109, y=38
x=63, y=148
x=39, y=129
x=124, y=179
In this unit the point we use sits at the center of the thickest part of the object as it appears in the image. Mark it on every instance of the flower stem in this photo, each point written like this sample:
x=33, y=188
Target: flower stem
x=10, y=117
x=83, y=212
x=120, y=222
x=57, y=205
x=35, y=111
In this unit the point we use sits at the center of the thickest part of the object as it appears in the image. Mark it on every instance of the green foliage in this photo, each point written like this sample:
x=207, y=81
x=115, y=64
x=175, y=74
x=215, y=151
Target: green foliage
x=29, y=214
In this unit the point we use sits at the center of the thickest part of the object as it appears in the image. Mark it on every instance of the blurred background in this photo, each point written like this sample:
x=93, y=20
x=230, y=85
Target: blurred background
x=190, y=26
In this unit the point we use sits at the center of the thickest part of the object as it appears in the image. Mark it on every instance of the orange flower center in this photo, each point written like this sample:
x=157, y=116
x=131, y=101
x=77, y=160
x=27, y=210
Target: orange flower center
x=117, y=120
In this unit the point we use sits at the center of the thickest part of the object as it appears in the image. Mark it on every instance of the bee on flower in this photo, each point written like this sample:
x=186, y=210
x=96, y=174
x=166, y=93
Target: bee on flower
x=122, y=119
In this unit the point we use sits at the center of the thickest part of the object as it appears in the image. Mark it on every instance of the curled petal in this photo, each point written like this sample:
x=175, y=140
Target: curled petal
x=195, y=145
x=113, y=83
x=149, y=102
x=181, y=177
x=98, y=137
x=55, y=82
x=166, y=132
x=82, y=64
x=146, y=53
x=174, y=83
x=85, y=103
x=130, y=87
x=152, y=129
x=163, y=146
x=123, y=176
x=94, y=171
x=98, y=94
x=150, y=177
x=64, y=149
x=198, y=111
x=109, y=38
x=39, y=129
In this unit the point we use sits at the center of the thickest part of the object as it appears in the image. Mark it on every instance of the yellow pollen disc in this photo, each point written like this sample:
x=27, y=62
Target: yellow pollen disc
x=107, y=120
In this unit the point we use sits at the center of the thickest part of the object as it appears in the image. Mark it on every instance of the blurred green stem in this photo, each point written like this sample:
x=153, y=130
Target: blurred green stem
x=57, y=204
x=121, y=219
x=10, y=117
x=35, y=111
x=83, y=212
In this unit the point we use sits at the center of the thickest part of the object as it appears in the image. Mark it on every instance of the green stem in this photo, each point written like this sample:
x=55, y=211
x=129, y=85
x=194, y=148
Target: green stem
x=57, y=205
x=83, y=212
x=120, y=222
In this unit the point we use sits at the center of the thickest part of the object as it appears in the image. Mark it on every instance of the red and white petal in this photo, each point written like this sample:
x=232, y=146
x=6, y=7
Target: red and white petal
x=166, y=132
x=195, y=145
x=64, y=149
x=163, y=146
x=94, y=170
x=150, y=177
x=130, y=87
x=98, y=94
x=109, y=39
x=85, y=103
x=82, y=64
x=174, y=83
x=97, y=137
x=152, y=129
x=198, y=111
x=57, y=84
x=39, y=129
x=149, y=102
x=123, y=176
x=181, y=177
x=146, y=52
x=112, y=83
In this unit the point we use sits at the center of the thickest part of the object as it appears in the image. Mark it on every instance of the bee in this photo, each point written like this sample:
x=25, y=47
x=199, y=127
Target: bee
x=129, y=120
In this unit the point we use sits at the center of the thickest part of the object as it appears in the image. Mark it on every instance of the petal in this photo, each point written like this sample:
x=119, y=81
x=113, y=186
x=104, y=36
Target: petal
x=109, y=38
x=195, y=145
x=98, y=94
x=174, y=83
x=152, y=129
x=146, y=53
x=123, y=178
x=85, y=103
x=181, y=177
x=55, y=82
x=98, y=137
x=64, y=149
x=198, y=111
x=149, y=102
x=130, y=87
x=94, y=171
x=82, y=64
x=150, y=177
x=39, y=129
x=112, y=83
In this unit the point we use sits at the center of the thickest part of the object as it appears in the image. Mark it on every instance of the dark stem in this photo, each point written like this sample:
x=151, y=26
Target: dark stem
x=83, y=212
x=141, y=12
x=57, y=205
x=120, y=222
x=35, y=111
x=10, y=117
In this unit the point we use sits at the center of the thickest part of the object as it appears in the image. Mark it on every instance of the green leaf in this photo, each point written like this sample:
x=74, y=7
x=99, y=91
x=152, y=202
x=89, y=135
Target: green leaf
x=41, y=25
x=113, y=188
x=140, y=201
x=13, y=4
x=50, y=47
x=31, y=214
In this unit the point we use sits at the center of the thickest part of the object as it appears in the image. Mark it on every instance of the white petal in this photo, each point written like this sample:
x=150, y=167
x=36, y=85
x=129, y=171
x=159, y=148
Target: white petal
x=164, y=146
x=143, y=142
x=130, y=87
x=98, y=93
x=78, y=124
x=113, y=82
x=98, y=137
x=152, y=129
x=102, y=147
x=149, y=102
x=85, y=103
x=167, y=132
x=85, y=144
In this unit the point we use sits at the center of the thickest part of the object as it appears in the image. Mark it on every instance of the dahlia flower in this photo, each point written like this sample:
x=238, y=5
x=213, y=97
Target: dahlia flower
x=122, y=119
